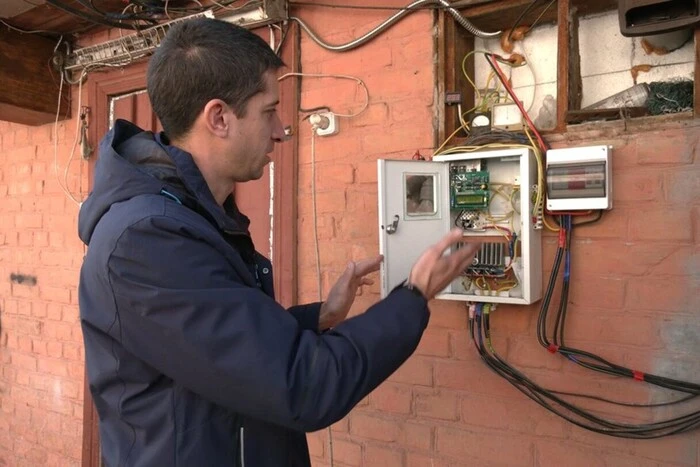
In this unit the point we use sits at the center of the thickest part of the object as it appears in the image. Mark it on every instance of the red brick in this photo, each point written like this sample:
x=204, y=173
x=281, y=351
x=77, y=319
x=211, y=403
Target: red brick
x=347, y=452
x=391, y=397
x=24, y=361
x=330, y=176
x=415, y=370
x=58, y=331
x=435, y=342
x=683, y=261
x=414, y=459
x=54, y=294
x=662, y=224
x=669, y=147
x=675, y=450
x=376, y=455
x=516, y=415
x=637, y=186
x=599, y=292
x=463, y=444
x=527, y=352
x=664, y=294
x=634, y=258
x=606, y=326
x=317, y=443
x=376, y=428
x=682, y=185
x=471, y=376
x=52, y=366
x=342, y=426
x=451, y=315
x=28, y=221
x=442, y=405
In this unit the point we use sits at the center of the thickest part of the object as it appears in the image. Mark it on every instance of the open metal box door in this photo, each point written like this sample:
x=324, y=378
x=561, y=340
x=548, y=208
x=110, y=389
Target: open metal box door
x=414, y=213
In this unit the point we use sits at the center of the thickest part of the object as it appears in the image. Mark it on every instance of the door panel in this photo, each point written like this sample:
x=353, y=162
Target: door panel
x=413, y=214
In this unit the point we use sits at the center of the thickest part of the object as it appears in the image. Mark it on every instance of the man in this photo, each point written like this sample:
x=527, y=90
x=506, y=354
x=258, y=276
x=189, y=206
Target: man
x=190, y=360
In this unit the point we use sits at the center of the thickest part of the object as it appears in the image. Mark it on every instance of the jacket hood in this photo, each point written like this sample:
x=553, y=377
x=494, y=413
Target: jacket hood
x=134, y=162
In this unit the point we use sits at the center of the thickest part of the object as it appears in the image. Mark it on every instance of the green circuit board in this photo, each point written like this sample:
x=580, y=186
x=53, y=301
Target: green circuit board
x=469, y=190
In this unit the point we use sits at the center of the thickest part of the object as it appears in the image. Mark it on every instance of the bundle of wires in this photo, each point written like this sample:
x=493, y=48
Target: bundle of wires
x=147, y=11
x=479, y=326
x=580, y=357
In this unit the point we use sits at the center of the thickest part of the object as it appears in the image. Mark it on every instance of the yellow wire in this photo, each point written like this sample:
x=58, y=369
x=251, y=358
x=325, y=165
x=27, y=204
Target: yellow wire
x=466, y=75
x=548, y=225
x=540, y=172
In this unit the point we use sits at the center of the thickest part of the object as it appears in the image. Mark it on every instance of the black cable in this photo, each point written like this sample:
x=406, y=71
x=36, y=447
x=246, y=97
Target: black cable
x=371, y=7
x=88, y=17
x=520, y=18
x=578, y=356
x=626, y=404
x=576, y=415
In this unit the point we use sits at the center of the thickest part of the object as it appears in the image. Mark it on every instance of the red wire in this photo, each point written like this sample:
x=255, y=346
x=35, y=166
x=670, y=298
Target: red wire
x=506, y=85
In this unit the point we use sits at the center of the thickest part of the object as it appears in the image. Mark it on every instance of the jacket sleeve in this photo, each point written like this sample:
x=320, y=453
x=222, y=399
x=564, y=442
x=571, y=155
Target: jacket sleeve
x=307, y=315
x=189, y=316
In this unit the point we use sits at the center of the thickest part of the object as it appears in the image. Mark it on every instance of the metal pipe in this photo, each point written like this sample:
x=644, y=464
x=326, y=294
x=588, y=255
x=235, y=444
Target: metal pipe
x=466, y=24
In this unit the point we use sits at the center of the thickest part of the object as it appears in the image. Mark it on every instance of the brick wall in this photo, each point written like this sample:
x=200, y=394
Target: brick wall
x=41, y=350
x=634, y=298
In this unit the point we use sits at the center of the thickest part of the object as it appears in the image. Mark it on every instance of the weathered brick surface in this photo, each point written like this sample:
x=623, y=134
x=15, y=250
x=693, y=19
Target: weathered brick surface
x=41, y=382
x=635, y=277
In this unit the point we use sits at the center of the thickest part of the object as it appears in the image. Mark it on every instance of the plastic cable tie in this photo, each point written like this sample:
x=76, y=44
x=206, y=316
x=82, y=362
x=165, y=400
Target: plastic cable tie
x=638, y=375
x=553, y=348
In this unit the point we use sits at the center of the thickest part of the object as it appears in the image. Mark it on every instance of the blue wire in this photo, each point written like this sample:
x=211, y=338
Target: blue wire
x=567, y=262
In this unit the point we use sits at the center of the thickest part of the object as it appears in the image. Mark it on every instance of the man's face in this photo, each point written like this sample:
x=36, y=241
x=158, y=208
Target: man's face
x=256, y=133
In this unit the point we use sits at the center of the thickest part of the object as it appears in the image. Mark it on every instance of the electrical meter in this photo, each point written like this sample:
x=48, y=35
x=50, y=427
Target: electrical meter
x=491, y=195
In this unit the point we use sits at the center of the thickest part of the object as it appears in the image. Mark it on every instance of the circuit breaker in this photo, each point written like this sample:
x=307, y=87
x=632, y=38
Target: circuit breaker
x=491, y=195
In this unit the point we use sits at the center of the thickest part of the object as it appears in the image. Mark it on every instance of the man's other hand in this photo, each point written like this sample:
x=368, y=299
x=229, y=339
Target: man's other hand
x=342, y=294
x=434, y=271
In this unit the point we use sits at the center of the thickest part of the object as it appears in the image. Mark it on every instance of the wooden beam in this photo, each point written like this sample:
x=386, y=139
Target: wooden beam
x=563, y=45
x=453, y=44
x=29, y=94
x=696, y=84
x=574, y=63
x=501, y=14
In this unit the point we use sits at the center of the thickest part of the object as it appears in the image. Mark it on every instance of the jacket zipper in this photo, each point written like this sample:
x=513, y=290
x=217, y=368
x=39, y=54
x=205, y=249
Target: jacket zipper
x=242, y=438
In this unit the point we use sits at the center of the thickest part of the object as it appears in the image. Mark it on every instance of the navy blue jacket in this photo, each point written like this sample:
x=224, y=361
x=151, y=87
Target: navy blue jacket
x=190, y=360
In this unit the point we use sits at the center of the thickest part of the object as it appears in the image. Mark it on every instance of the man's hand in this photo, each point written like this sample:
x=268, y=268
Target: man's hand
x=342, y=294
x=433, y=271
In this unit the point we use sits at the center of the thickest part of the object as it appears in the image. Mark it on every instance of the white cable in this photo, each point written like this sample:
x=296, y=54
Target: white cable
x=322, y=75
x=55, y=144
x=314, y=213
x=534, y=77
x=318, y=255
x=78, y=131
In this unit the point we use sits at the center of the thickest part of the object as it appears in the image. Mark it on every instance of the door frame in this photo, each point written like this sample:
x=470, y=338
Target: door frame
x=102, y=86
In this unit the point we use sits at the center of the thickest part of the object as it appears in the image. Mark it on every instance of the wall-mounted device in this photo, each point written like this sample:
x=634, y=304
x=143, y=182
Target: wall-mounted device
x=644, y=17
x=579, y=178
x=489, y=194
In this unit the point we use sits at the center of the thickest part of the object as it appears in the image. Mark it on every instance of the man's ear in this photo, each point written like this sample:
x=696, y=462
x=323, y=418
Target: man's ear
x=216, y=117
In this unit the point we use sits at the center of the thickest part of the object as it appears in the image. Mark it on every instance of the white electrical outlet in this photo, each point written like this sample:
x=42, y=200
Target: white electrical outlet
x=326, y=123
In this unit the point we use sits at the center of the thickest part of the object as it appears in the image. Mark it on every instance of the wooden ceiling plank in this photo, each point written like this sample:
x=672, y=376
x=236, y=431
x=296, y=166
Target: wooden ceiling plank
x=29, y=94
